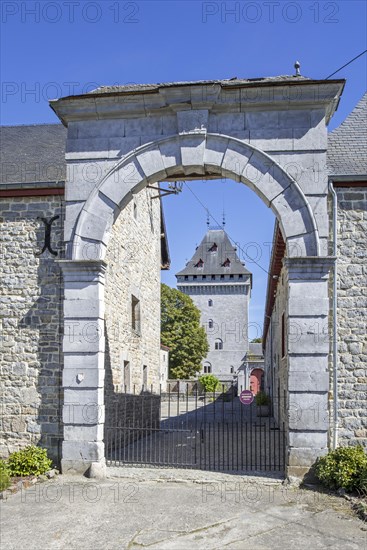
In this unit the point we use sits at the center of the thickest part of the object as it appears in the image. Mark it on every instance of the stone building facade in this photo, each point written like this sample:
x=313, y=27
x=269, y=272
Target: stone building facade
x=32, y=294
x=220, y=287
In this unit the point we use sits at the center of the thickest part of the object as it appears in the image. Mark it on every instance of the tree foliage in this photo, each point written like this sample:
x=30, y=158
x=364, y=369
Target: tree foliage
x=182, y=333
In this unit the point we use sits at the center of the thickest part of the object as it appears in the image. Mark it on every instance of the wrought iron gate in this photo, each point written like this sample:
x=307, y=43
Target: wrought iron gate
x=191, y=430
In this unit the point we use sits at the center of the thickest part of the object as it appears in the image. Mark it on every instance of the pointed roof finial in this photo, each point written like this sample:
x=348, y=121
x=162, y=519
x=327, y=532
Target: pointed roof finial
x=297, y=66
x=207, y=218
x=224, y=219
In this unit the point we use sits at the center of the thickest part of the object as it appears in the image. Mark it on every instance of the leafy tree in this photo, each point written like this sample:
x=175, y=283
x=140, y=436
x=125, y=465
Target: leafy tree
x=182, y=333
x=257, y=341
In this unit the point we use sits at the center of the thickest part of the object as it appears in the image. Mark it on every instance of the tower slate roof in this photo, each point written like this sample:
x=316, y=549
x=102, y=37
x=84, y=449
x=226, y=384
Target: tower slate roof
x=215, y=256
x=347, y=144
x=32, y=154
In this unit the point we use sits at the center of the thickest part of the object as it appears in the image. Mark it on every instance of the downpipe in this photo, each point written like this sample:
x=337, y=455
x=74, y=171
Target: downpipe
x=335, y=319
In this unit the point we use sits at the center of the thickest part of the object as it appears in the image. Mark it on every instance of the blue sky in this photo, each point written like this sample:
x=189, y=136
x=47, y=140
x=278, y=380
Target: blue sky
x=54, y=48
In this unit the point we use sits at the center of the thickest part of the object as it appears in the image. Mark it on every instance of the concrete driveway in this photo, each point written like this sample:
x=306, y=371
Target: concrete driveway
x=171, y=509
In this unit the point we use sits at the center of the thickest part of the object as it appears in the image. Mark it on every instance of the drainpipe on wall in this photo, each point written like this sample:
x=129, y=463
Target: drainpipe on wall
x=335, y=318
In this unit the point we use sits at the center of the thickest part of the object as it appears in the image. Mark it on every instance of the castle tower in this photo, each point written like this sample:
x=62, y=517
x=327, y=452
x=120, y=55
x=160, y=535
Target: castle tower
x=220, y=286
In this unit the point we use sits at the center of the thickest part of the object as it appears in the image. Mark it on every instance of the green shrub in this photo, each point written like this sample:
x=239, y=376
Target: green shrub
x=262, y=398
x=209, y=382
x=4, y=475
x=344, y=467
x=29, y=461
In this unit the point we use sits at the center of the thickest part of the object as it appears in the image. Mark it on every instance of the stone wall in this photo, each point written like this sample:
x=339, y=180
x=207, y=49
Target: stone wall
x=133, y=270
x=31, y=311
x=352, y=314
x=276, y=365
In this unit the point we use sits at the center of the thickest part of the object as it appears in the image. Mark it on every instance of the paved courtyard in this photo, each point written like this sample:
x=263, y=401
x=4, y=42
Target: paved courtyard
x=168, y=509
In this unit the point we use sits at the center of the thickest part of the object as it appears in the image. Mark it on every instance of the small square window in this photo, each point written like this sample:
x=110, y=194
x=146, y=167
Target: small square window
x=213, y=277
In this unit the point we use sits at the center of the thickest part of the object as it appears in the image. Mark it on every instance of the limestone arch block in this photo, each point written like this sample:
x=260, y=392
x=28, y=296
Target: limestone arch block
x=235, y=160
x=215, y=149
x=151, y=163
x=170, y=151
x=192, y=153
x=124, y=177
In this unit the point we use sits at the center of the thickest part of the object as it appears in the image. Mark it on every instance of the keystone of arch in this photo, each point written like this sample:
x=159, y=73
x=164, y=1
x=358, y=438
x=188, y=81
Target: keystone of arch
x=196, y=154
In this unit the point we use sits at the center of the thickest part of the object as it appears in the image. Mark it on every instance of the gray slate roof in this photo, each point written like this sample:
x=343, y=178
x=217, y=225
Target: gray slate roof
x=32, y=154
x=213, y=261
x=255, y=348
x=347, y=144
x=224, y=82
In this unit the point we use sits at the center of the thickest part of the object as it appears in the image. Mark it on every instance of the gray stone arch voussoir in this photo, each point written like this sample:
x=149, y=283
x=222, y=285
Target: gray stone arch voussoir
x=198, y=154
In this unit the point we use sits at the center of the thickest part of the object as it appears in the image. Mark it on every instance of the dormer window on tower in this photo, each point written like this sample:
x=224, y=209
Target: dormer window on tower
x=226, y=263
x=213, y=248
x=199, y=264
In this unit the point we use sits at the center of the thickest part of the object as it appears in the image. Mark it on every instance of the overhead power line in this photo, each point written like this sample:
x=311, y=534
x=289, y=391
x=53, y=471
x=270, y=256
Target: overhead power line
x=346, y=64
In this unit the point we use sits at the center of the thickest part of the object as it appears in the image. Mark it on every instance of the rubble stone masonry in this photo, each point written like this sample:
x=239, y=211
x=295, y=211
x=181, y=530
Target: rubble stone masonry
x=352, y=314
x=31, y=311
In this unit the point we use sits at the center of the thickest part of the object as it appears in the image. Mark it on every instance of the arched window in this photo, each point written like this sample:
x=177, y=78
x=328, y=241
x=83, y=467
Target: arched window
x=210, y=323
x=210, y=302
x=207, y=367
x=218, y=344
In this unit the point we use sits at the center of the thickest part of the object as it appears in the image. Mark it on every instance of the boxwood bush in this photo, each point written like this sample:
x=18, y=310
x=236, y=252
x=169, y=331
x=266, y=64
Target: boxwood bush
x=31, y=460
x=345, y=467
x=4, y=475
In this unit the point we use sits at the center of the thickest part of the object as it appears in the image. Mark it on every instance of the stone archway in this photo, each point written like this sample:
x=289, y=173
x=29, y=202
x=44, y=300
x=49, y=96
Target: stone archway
x=197, y=154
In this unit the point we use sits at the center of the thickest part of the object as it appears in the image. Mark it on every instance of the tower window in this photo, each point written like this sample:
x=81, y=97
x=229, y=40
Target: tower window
x=231, y=276
x=222, y=276
x=135, y=314
x=240, y=276
x=210, y=303
x=204, y=276
x=210, y=323
x=186, y=277
x=213, y=248
x=194, y=276
x=200, y=263
x=218, y=344
x=226, y=263
x=213, y=277
x=207, y=368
